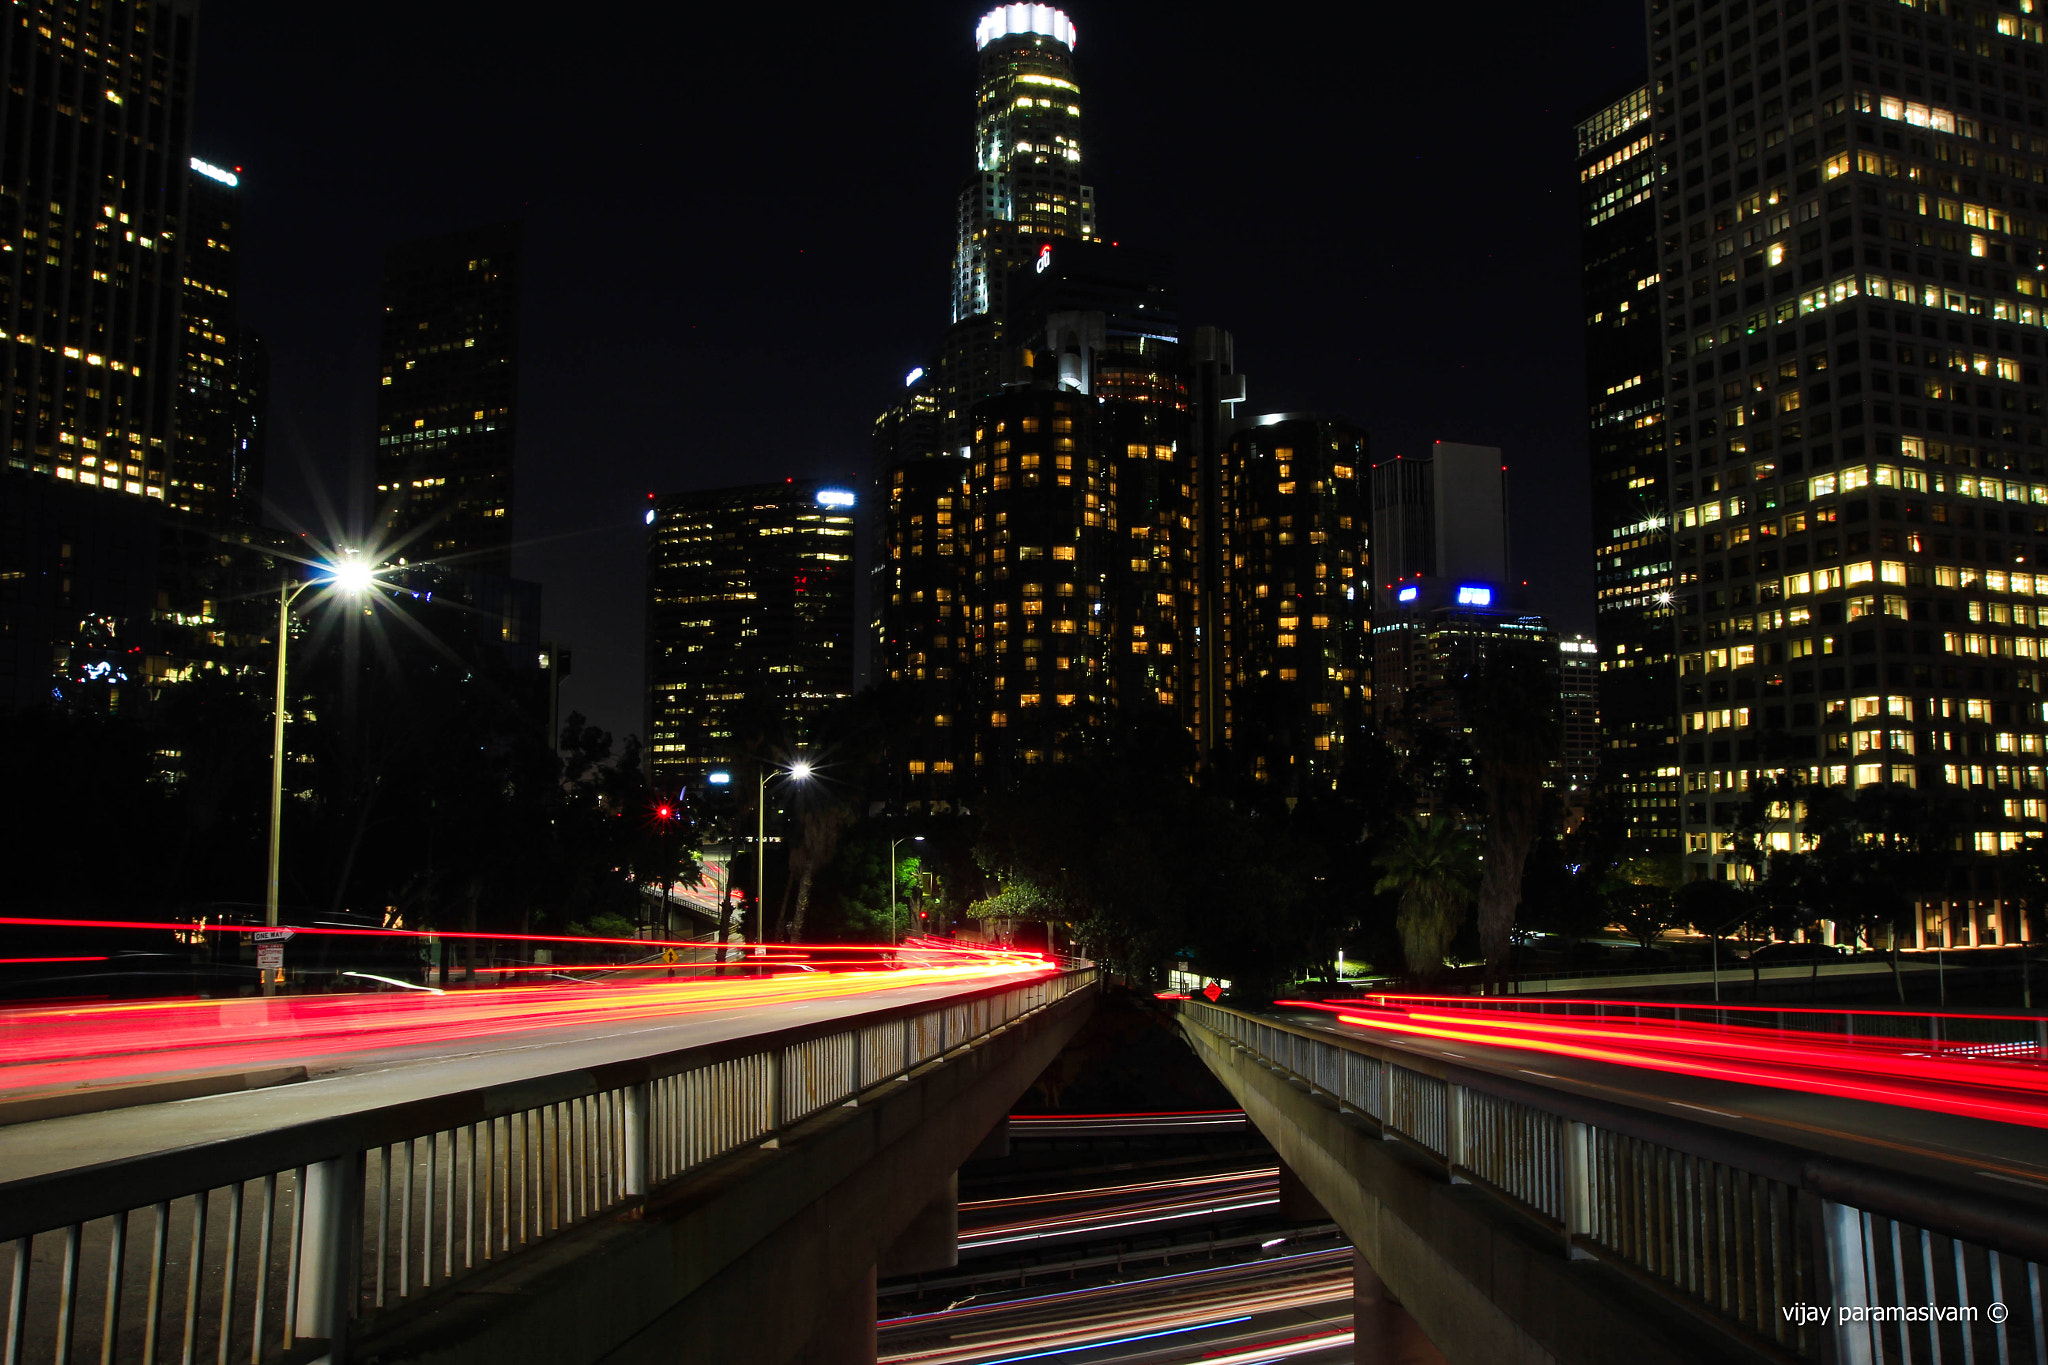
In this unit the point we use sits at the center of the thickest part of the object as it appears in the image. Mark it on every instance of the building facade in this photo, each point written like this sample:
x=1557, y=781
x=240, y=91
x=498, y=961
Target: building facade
x=750, y=603
x=218, y=468
x=95, y=146
x=1632, y=574
x=1579, y=719
x=1435, y=636
x=1026, y=185
x=1043, y=537
x=1849, y=229
x=1297, y=597
x=447, y=398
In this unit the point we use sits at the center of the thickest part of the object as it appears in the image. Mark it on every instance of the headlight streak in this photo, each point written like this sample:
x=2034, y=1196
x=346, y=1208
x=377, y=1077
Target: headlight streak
x=1114, y=1341
x=1262, y=1175
x=1282, y=1350
x=1881, y=1072
x=1081, y=1223
x=1338, y=1260
x=75, y=1044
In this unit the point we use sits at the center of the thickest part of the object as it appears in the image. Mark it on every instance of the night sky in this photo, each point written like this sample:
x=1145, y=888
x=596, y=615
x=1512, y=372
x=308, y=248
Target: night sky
x=739, y=225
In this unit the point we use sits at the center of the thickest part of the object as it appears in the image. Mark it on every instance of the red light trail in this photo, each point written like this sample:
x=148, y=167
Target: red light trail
x=95, y=1042
x=1880, y=1070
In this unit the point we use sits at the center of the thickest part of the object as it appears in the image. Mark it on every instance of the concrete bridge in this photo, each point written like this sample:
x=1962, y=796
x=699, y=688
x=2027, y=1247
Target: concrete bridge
x=599, y=1201
x=1508, y=1206
x=727, y=1192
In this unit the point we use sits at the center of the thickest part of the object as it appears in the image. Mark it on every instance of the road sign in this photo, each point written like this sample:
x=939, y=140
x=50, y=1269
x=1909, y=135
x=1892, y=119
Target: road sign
x=1213, y=991
x=271, y=935
x=270, y=957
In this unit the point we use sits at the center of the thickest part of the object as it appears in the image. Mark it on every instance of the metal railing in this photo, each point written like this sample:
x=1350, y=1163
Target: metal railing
x=280, y=1246
x=1748, y=1230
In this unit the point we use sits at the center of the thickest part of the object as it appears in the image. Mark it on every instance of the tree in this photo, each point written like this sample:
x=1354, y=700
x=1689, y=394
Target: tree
x=1641, y=896
x=1513, y=708
x=1432, y=865
x=2023, y=876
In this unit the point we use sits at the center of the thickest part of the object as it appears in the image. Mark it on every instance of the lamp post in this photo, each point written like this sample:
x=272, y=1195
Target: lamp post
x=907, y=839
x=350, y=575
x=799, y=771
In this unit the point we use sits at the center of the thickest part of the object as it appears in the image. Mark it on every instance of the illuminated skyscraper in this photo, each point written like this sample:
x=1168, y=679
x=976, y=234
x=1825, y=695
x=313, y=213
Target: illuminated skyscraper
x=1849, y=236
x=96, y=123
x=1297, y=600
x=1632, y=574
x=447, y=397
x=1026, y=187
x=218, y=469
x=749, y=590
x=1043, y=542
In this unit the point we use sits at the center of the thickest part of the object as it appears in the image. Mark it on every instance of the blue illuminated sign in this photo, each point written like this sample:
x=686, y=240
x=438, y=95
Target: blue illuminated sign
x=834, y=497
x=1407, y=594
x=1471, y=595
x=719, y=779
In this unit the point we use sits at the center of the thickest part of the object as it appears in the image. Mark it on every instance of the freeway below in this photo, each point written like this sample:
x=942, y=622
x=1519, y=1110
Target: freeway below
x=1281, y=1308
x=367, y=1051
x=1980, y=1121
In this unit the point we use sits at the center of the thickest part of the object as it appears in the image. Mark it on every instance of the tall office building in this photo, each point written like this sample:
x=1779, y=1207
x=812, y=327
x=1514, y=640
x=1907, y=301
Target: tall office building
x=1632, y=575
x=921, y=600
x=95, y=135
x=447, y=397
x=1428, y=642
x=1026, y=187
x=748, y=590
x=1849, y=229
x=218, y=468
x=1043, y=540
x=1578, y=714
x=1297, y=601
x=1215, y=389
x=1024, y=193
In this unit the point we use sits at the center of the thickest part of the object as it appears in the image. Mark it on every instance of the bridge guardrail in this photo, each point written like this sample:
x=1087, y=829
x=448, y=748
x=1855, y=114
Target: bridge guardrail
x=1745, y=1229
x=278, y=1247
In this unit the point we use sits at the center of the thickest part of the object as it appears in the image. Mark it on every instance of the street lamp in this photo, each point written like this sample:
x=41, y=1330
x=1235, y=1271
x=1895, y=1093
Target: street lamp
x=799, y=771
x=349, y=574
x=907, y=839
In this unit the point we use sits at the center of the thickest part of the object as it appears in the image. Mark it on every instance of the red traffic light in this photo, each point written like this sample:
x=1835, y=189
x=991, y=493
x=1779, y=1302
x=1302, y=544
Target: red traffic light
x=664, y=811
x=923, y=915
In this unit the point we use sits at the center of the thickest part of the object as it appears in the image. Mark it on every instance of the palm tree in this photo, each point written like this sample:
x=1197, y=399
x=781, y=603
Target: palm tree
x=1433, y=864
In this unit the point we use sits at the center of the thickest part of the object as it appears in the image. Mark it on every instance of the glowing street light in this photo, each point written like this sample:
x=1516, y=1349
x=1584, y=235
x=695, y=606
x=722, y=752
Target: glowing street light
x=799, y=771
x=347, y=573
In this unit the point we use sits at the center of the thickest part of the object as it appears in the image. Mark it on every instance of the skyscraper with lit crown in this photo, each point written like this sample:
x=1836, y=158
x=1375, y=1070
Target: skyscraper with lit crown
x=1026, y=184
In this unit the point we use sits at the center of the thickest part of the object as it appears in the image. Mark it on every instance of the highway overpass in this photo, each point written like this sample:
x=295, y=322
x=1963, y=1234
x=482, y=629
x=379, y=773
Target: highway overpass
x=652, y=1180
x=1522, y=1187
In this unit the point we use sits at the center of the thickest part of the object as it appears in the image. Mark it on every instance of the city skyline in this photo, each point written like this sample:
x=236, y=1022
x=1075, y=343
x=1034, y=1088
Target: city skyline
x=1330, y=320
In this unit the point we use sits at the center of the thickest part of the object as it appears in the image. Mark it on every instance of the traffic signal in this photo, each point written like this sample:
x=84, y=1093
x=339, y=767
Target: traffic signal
x=664, y=812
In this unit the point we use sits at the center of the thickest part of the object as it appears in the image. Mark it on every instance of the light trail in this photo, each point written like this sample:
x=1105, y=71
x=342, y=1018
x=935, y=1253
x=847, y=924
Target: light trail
x=1183, y=1282
x=76, y=1044
x=1115, y=1325
x=1886, y=1071
x=1108, y=1209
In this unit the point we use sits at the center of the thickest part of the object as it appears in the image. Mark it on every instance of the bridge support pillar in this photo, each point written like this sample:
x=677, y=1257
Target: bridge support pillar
x=996, y=1144
x=1382, y=1333
x=1298, y=1204
x=932, y=1241
x=845, y=1329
